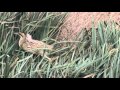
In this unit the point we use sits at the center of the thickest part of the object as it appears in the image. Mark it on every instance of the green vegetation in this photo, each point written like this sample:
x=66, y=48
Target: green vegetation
x=96, y=53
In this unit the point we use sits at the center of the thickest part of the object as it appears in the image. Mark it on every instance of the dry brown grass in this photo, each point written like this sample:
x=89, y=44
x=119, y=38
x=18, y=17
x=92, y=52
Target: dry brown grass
x=75, y=21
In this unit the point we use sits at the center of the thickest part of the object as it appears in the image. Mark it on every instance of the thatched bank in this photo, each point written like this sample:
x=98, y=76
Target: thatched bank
x=75, y=21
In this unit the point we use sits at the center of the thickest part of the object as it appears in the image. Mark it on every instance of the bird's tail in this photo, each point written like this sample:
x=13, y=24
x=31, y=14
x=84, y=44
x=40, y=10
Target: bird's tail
x=59, y=51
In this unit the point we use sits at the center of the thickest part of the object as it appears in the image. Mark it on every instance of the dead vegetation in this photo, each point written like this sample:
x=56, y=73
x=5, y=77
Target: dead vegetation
x=76, y=21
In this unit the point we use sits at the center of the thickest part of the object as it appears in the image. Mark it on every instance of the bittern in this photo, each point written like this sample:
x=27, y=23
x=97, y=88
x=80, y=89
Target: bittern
x=27, y=43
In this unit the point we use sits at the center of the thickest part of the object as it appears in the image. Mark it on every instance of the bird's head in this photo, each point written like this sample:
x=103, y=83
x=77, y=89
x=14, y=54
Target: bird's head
x=22, y=38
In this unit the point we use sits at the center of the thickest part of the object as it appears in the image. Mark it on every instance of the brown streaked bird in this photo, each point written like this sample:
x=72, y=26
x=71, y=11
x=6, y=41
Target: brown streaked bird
x=27, y=43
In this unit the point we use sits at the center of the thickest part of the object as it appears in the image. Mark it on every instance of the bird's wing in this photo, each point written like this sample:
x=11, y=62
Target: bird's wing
x=38, y=44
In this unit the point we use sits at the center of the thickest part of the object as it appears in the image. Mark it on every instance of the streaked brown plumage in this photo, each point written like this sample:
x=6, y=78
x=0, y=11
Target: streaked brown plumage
x=34, y=46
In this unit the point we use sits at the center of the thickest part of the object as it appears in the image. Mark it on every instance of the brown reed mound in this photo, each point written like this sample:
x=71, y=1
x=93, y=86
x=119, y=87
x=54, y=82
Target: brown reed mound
x=76, y=21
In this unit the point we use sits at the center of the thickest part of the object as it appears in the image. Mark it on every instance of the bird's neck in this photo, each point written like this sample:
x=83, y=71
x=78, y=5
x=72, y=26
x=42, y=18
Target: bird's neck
x=21, y=41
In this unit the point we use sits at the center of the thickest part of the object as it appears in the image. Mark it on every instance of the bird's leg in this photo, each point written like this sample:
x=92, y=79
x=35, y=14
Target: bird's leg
x=50, y=60
x=44, y=54
x=54, y=58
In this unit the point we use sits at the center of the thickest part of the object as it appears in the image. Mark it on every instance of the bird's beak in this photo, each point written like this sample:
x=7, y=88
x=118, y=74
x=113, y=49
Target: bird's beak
x=19, y=33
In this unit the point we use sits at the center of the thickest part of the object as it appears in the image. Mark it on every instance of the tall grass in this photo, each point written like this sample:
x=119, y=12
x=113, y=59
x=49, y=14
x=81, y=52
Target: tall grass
x=96, y=54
